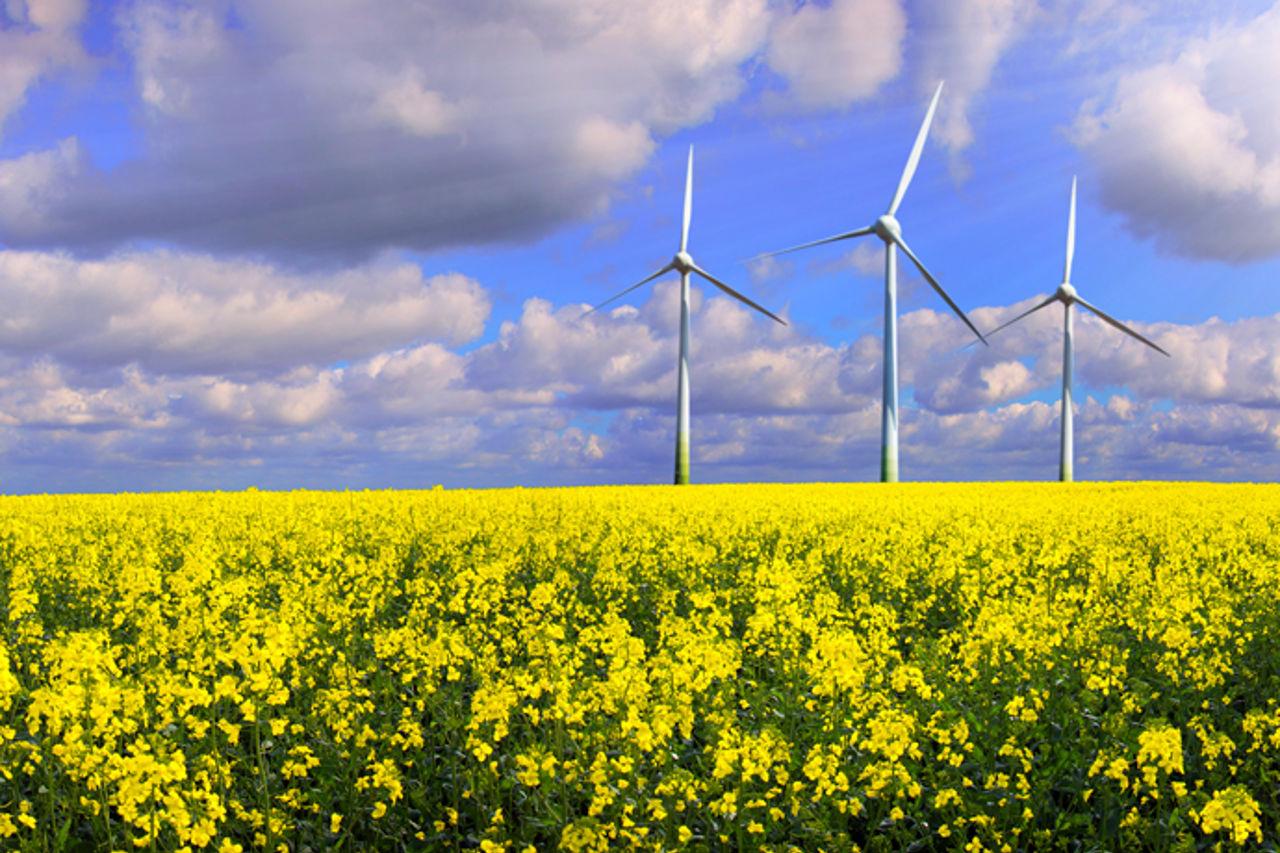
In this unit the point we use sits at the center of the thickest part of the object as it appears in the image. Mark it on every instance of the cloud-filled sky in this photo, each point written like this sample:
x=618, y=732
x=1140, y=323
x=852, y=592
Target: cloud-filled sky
x=349, y=244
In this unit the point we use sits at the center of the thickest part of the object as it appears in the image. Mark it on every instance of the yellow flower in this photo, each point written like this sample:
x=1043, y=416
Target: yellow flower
x=830, y=650
x=1160, y=749
x=1234, y=811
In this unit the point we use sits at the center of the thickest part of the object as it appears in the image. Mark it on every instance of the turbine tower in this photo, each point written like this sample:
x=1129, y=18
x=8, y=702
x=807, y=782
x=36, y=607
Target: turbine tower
x=1066, y=294
x=889, y=231
x=683, y=263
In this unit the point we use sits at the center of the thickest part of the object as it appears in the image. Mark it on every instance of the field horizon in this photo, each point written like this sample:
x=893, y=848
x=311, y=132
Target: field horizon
x=439, y=487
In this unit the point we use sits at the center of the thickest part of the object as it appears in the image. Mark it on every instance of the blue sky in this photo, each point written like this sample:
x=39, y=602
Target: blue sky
x=346, y=245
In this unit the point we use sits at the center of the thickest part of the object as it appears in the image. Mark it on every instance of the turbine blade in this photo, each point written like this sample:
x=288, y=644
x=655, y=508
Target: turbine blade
x=1027, y=313
x=902, y=244
x=688, y=202
x=861, y=232
x=736, y=295
x=623, y=293
x=1071, y=233
x=914, y=160
x=1107, y=318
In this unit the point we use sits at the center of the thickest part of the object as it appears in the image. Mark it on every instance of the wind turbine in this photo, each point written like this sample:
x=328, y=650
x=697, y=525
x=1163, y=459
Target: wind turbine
x=683, y=263
x=888, y=230
x=1066, y=294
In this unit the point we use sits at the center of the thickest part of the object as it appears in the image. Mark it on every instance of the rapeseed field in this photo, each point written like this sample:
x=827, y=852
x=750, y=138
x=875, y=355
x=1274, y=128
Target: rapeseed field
x=977, y=667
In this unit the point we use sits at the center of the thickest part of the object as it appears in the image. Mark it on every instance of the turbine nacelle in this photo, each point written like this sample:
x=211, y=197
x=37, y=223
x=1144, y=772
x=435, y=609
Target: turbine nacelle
x=1067, y=295
x=887, y=228
x=889, y=231
x=683, y=262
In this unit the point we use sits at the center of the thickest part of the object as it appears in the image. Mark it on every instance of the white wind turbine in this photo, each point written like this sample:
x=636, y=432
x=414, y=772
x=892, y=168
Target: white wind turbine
x=683, y=263
x=888, y=230
x=1066, y=294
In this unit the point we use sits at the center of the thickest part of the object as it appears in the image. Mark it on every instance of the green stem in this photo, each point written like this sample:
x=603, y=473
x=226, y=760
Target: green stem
x=262, y=774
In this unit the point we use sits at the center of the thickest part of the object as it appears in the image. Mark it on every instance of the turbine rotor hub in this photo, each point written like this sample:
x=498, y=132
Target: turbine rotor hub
x=887, y=228
x=1066, y=292
x=683, y=261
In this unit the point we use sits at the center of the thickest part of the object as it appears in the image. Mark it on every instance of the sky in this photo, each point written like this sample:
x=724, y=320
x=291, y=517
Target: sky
x=349, y=244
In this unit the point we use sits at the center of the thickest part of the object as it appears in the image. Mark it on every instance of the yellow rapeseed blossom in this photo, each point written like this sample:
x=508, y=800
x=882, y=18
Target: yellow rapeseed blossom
x=1234, y=812
x=791, y=667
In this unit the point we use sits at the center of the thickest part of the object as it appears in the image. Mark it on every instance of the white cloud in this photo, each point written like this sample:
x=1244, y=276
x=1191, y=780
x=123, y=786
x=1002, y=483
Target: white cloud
x=42, y=395
x=171, y=45
x=974, y=386
x=627, y=357
x=559, y=398
x=299, y=399
x=613, y=149
x=1188, y=150
x=55, y=15
x=962, y=41
x=36, y=38
x=422, y=111
x=865, y=258
x=833, y=56
x=1215, y=362
x=184, y=313
x=31, y=186
x=769, y=268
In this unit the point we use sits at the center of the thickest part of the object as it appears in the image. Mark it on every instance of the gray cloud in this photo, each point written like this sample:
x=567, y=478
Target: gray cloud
x=336, y=131
x=333, y=132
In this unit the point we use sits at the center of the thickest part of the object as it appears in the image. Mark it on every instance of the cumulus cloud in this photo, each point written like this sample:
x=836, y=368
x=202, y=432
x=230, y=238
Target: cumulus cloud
x=32, y=184
x=272, y=382
x=1213, y=363
x=1188, y=150
x=557, y=398
x=37, y=37
x=1119, y=438
x=975, y=386
x=44, y=395
x=176, y=313
x=627, y=358
x=835, y=55
x=337, y=131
